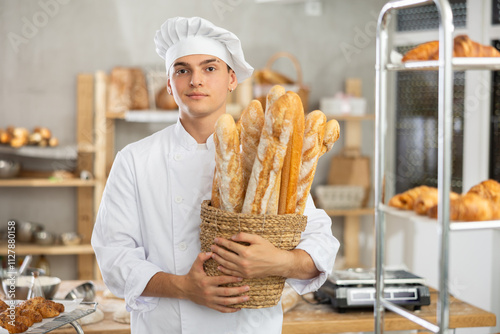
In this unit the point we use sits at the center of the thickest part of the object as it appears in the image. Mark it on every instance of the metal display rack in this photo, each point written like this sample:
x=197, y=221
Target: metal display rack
x=445, y=65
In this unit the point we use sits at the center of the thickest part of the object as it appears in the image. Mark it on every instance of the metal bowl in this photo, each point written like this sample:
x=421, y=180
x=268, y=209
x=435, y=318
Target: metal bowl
x=19, y=286
x=9, y=168
x=86, y=291
x=25, y=231
x=70, y=238
x=44, y=238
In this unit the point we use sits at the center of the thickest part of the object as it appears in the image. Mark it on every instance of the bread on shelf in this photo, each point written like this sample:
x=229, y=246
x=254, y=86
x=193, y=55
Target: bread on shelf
x=463, y=46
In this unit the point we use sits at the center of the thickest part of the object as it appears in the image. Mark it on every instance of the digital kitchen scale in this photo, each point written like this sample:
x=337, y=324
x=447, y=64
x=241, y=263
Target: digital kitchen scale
x=355, y=288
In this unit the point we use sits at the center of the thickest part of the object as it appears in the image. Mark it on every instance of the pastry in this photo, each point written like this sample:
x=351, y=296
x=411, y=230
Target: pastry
x=469, y=207
x=422, y=52
x=428, y=199
x=463, y=46
x=406, y=200
x=489, y=189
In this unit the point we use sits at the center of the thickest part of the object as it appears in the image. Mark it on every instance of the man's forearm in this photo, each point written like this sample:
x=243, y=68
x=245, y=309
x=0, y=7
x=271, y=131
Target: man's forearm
x=164, y=285
x=299, y=265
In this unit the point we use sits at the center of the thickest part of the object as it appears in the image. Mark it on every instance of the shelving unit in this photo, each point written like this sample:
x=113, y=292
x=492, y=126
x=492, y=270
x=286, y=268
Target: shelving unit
x=88, y=192
x=446, y=65
x=353, y=134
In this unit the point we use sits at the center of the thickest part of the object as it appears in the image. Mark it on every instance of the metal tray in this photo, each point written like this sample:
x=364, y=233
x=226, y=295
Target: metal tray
x=82, y=310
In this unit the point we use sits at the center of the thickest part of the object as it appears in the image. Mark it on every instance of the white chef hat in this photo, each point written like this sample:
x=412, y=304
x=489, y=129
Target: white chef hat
x=181, y=36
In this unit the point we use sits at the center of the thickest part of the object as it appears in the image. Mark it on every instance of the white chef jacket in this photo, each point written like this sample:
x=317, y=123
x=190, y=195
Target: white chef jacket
x=148, y=222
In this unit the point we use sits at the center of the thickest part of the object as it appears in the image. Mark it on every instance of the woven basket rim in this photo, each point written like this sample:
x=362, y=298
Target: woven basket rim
x=206, y=204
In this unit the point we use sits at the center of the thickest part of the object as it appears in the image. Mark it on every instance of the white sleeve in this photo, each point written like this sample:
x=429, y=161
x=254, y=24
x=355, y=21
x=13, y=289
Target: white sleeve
x=317, y=240
x=117, y=239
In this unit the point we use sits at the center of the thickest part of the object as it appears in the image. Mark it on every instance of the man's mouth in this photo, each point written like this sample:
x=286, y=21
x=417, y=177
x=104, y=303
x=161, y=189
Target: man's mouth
x=196, y=95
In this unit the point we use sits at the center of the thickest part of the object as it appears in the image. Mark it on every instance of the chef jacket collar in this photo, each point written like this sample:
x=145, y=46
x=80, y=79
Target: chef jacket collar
x=187, y=141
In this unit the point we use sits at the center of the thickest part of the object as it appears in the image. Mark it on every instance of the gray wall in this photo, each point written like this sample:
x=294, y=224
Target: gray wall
x=44, y=44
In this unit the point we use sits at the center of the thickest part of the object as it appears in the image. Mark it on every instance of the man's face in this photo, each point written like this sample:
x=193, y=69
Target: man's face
x=200, y=83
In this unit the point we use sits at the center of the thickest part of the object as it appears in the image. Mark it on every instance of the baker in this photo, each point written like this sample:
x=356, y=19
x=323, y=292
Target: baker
x=146, y=237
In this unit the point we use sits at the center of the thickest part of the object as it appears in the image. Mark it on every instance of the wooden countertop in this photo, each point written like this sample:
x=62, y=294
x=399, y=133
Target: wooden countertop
x=312, y=319
x=322, y=319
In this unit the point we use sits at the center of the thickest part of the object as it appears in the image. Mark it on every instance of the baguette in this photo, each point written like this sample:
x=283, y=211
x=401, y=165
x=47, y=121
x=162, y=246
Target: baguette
x=271, y=152
x=332, y=134
x=215, y=201
x=291, y=166
x=251, y=123
x=228, y=164
x=274, y=94
x=311, y=149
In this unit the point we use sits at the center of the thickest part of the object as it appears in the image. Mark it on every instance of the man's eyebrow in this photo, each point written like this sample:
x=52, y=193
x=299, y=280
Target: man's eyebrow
x=204, y=62
x=208, y=61
x=180, y=63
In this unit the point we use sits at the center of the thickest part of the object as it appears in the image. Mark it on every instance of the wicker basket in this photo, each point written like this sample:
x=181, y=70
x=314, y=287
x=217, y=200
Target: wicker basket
x=339, y=197
x=283, y=231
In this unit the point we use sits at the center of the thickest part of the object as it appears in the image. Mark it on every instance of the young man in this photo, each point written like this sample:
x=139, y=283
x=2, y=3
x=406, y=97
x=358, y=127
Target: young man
x=146, y=236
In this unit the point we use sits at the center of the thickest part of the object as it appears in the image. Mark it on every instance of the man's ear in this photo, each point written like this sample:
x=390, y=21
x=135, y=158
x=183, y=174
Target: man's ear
x=169, y=87
x=233, y=80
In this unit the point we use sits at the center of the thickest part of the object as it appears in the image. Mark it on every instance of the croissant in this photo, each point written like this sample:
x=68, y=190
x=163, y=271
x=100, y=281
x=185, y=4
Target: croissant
x=463, y=46
x=406, y=200
x=489, y=189
x=3, y=305
x=470, y=207
x=422, y=52
x=427, y=200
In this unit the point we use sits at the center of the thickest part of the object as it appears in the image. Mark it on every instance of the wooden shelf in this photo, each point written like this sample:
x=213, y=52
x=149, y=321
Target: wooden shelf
x=351, y=212
x=145, y=116
x=352, y=118
x=47, y=182
x=26, y=249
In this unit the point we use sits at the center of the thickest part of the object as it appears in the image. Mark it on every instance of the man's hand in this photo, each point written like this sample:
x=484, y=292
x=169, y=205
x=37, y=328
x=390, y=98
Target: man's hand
x=206, y=290
x=261, y=258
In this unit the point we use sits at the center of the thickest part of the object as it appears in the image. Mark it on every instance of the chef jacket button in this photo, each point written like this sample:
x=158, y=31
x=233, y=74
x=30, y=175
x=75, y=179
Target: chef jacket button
x=177, y=157
x=178, y=199
x=183, y=246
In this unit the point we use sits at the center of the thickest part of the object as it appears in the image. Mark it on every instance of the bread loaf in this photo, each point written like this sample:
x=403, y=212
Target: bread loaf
x=127, y=90
x=250, y=123
x=314, y=133
x=228, y=164
x=215, y=200
x=332, y=134
x=271, y=152
x=274, y=94
x=291, y=166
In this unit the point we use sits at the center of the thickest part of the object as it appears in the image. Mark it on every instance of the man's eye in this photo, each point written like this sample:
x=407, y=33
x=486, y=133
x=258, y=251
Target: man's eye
x=181, y=71
x=210, y=68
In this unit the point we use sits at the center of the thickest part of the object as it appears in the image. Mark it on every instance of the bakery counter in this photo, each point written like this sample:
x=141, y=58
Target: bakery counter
x=323, y=319
x=304, y=317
